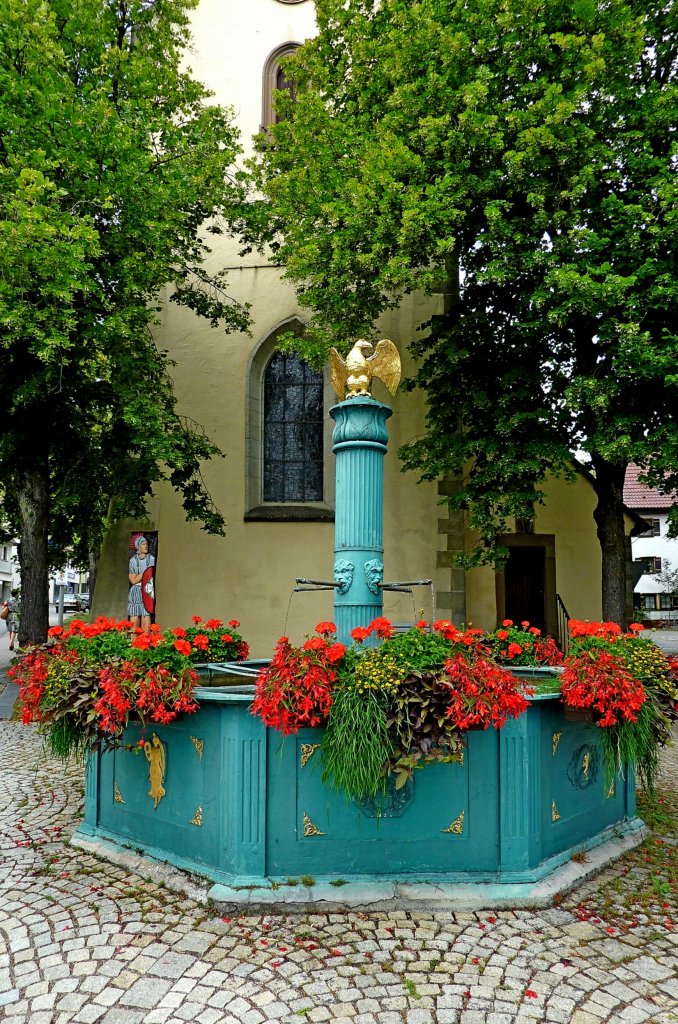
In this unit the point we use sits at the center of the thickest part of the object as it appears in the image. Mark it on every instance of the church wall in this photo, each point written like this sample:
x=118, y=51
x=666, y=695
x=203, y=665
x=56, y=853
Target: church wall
x=567, y=513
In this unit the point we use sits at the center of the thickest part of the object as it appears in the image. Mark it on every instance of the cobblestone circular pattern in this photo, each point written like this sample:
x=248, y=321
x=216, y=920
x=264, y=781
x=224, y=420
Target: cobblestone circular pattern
x=82, y=941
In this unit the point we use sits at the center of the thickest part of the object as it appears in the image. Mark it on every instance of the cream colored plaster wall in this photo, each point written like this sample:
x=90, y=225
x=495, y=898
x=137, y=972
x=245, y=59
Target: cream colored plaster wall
x=567, y=513
x=232, y=41
x=250, y=573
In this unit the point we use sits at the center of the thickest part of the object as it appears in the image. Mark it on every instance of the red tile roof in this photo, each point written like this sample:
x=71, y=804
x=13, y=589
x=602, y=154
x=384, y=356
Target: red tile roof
x=641, y=497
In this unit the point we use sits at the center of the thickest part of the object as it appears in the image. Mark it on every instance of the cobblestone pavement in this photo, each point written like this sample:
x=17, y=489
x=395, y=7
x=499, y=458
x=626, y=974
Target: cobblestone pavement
x=82, y=941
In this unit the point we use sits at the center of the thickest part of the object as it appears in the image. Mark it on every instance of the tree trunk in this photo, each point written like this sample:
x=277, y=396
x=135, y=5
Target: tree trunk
x=32, y=487
x=94, y=558
x=609, y=516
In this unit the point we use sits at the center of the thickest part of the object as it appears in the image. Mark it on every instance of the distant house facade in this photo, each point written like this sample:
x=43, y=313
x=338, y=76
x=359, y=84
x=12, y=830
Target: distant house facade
x=9, y=568
x=654, y=553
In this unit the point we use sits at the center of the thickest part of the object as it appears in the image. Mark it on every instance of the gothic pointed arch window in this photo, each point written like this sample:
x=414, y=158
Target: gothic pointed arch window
x=275, y=77
x=293, y=430
x=290, y=471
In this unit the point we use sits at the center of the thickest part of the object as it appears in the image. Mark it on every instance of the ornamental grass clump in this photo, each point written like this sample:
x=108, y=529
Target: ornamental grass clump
x=84, y=686
x=631, y=689
x=357, y=744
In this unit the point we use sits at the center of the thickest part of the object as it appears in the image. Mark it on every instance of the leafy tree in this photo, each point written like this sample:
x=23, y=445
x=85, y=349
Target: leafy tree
x=112, y=159
x=667, y=578
x=520, y=156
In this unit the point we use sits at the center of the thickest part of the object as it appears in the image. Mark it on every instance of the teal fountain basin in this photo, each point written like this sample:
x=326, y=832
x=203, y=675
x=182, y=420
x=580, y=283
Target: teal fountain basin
x=247, y=809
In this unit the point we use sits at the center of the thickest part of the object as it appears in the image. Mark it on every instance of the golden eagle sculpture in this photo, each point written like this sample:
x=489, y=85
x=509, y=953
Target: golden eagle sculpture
x=353, y=378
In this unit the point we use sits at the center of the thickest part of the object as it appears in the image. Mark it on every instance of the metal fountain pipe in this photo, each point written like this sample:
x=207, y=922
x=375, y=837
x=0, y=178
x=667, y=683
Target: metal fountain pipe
x=359, y=442
x=404, y=583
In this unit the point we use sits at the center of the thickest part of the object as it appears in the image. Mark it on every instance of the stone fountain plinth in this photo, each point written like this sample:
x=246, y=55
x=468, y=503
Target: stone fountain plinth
x=248, y=810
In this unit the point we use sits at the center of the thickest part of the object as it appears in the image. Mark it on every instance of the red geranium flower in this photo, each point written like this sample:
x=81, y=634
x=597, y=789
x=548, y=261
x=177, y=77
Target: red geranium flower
x=359, y=634
x=382, y=627
x=325, y=628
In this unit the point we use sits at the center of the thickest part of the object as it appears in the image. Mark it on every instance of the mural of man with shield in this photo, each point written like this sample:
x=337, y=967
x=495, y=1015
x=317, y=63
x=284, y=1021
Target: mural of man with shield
x=141, y=597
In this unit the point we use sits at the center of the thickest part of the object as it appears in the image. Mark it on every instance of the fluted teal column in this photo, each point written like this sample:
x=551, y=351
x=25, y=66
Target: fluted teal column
x=359, y=443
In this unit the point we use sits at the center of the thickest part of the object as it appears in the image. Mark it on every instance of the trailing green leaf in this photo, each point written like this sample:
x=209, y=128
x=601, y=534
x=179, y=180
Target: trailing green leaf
x=356, y=744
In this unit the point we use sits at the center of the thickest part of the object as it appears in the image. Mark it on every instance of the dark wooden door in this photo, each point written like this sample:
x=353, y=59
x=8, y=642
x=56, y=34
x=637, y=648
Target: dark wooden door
x=524, y=581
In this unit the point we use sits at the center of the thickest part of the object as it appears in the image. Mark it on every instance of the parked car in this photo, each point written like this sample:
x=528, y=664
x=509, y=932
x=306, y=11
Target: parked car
x=70, y=602
x=82, y=601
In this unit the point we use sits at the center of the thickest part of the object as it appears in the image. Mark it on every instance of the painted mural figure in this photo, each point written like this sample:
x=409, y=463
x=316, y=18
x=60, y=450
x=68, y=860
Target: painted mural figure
x=141, y=597
x=155, y=755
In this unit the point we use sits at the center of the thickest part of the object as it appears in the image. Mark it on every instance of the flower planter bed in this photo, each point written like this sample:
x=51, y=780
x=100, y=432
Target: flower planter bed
x=245, y=806
x=202, y=780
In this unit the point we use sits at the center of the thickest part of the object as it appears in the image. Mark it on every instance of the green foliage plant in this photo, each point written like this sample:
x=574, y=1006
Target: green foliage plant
x=116, y=169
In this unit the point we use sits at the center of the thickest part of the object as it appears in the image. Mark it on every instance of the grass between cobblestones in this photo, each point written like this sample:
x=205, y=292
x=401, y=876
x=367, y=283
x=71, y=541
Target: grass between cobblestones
x=644, y=886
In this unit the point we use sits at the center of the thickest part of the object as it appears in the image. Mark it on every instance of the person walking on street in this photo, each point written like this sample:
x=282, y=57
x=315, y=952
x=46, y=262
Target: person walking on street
x=14, y=606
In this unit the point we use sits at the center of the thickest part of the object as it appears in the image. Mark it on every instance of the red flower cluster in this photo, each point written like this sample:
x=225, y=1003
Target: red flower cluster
x=31, y=673
x=295, y=690
x=98, y=675
x=380, y=626
x=547, y=652
x=597, y=679
x=482, y=693
x=522, y=645
x=604, y=630
x=470, y=637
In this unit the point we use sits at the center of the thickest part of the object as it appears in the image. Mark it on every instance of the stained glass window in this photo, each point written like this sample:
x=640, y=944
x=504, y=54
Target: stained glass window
x=293, y=431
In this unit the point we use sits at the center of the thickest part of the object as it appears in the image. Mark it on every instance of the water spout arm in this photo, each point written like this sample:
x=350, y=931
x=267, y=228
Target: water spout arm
x=312, y=589
x=319, y=583
x=404, y=583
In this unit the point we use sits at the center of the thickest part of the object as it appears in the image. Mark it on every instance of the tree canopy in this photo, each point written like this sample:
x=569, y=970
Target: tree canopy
x=519, y=155
x=114, y=168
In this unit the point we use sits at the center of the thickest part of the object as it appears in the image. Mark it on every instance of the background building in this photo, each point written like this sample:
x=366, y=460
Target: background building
x=653, y=552
x=10, y=577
